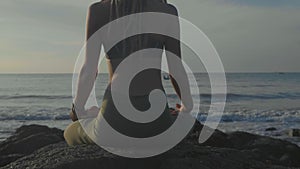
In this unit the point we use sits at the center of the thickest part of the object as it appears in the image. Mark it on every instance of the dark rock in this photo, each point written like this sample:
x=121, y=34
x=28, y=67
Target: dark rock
x=266, y=149
x=26, y=140
x=218, y=138
x=237, y=150
x=270, y=149
x=59, y=156
x=285, y=158
x=294, y=133
x=271, y=129
x=6, y=159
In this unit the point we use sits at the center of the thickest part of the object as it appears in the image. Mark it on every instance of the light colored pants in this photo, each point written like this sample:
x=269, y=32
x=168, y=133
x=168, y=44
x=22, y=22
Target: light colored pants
x=75, y=135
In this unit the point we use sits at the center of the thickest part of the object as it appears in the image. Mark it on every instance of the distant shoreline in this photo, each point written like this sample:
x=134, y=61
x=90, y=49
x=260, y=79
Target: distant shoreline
x=194, y=72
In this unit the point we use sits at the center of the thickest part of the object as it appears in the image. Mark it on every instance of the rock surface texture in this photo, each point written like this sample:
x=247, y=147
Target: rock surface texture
x=38, y=147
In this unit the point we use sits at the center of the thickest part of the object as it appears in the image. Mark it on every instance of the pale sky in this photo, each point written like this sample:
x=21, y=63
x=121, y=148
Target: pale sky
x=45, y=36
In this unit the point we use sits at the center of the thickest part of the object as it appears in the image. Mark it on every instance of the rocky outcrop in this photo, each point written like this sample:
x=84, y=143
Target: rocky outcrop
x=238, y=150
x=294, y=133
x=271, y=129
x=26, y=140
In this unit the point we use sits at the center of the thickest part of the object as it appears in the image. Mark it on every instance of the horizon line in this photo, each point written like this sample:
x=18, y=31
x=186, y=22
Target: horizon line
x=36, y=73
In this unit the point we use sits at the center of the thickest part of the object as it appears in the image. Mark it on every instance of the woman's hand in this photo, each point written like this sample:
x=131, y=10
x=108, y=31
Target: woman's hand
x=173, y=111
x=90, y=113
x=183, y=109
x=73, y=115
x=180, y=108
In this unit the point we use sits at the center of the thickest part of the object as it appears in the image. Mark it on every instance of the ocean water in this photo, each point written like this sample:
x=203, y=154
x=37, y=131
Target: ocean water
x=255, y=101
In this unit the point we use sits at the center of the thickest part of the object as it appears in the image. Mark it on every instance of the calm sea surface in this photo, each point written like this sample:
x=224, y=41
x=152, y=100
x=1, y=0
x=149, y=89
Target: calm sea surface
x=255, y=101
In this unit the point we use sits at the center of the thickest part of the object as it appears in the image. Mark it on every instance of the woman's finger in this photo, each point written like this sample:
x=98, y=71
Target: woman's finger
x=178, y=106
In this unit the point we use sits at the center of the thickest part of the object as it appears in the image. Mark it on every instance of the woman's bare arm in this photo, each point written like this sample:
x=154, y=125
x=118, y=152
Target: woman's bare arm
x=90, y=67
x=173, y=49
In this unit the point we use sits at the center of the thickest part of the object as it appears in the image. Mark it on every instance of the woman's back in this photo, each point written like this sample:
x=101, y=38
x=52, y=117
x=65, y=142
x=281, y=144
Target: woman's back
x=106, y=11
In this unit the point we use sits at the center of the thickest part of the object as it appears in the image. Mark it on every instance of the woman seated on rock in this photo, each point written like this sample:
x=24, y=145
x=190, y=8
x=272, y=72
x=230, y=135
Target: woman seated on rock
x=143, y=83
